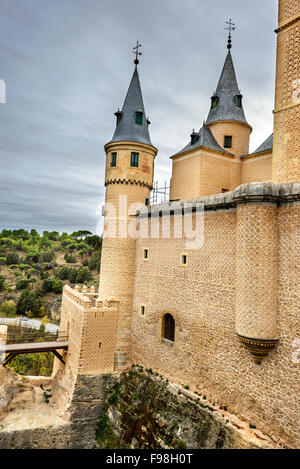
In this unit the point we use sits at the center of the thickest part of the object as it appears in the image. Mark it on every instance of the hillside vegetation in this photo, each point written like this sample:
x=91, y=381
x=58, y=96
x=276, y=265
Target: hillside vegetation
x=34, y=269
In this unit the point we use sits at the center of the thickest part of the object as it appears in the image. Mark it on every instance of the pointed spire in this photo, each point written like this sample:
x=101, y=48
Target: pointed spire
x=132, y=123
x=227, y=100
x=231, y=27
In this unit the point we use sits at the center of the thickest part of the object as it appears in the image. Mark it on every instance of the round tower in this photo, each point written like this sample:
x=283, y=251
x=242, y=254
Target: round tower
x=286, y=161
x=128, y=179
x=226, y=117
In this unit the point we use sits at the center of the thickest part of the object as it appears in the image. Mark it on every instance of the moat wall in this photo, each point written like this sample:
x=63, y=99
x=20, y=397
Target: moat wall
x=147, y=412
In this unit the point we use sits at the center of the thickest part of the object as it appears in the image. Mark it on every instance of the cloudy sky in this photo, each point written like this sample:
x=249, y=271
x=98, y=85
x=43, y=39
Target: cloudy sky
x=67, y=65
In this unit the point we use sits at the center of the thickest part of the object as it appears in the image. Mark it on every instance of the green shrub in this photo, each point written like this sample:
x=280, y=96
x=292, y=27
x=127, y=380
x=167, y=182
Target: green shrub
x=83, y=275
x=69, y=259
x=57, y=286
x=12, y=258
x=2, y=283
x=94, y=263
x=47, y=285
x=22, y=283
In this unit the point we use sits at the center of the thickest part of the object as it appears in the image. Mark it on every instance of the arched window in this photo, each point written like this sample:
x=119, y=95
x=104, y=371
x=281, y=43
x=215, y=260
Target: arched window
x=168, y=327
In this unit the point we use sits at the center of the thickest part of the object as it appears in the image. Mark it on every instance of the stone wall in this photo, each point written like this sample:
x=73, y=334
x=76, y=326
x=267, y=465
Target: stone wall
x=257, y=168
x=204, y=301
x=203, y=172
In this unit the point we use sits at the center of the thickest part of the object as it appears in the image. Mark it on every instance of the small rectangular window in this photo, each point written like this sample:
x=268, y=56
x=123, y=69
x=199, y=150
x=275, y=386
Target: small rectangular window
x=134, y=160
x=113, y=160
x=146, y=254
x=214, y=102
x=142, y=310
x=184, y=259
x=227, y=141
x=224, y=190
x=238, y=100
x=139, y=118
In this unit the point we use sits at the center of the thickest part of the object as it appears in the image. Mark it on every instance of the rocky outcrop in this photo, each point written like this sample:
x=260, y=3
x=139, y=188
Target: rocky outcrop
x=147, y=412
x=15, y=391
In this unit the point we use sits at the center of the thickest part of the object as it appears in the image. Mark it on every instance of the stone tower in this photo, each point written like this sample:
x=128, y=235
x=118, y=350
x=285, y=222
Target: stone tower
x=226, y=117
x=128, y=179
x=286, y=160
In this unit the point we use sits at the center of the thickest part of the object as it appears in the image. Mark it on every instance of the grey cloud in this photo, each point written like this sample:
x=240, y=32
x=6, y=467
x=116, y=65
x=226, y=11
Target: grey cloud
x=67, y=65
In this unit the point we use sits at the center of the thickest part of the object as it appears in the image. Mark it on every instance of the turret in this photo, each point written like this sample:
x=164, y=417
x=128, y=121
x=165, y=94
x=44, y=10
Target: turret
x=226, y=117
x=286, y=161
x=129, y=176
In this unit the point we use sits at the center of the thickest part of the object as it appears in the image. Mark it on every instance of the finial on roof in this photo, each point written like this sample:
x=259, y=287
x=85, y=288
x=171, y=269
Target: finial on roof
x=230, y=28
x=137, y=52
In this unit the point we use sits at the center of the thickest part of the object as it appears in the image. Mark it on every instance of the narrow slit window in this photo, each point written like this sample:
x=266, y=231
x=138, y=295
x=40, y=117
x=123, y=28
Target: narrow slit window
x=142, y=310
x=113, y=162
x=134, y=160
x=146, y=254
x=184, y=259
x=228, y=141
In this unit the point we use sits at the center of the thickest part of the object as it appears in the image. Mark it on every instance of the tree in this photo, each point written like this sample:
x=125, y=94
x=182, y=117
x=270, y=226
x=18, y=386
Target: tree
x=53, y=235
x=8, y=308
x=29, y=300
x=34, y=234
x=94, y=241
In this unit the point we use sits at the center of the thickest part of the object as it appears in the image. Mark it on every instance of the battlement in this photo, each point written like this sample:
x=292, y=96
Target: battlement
x=91, y=328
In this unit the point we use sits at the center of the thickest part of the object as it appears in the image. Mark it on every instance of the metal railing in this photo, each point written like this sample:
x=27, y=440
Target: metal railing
x=24, y=337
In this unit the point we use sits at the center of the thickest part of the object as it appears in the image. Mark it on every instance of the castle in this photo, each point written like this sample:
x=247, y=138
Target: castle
x=223, y=318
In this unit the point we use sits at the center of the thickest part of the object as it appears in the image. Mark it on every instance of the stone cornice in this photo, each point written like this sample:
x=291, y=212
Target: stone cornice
x=287, y=23
x=252, y=193
x=129, y=146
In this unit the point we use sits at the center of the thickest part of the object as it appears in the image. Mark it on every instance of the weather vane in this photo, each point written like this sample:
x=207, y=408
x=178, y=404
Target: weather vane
x=137, y=52
x=230, y=28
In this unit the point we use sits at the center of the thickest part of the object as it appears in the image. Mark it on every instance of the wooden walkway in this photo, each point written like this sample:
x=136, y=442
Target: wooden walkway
x=33, y=347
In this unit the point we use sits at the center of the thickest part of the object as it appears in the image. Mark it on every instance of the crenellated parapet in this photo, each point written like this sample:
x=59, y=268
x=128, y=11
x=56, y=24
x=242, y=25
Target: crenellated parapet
x=91, y=328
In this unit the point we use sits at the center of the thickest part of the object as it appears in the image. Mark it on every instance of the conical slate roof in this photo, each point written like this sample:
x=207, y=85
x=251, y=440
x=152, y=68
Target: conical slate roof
x=127, y=129
x=227, y=90
x=205, y=140
x=267, y=145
